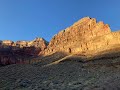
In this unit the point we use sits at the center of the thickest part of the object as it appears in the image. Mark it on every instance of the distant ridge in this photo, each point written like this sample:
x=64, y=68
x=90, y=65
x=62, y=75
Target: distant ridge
x=20, y=51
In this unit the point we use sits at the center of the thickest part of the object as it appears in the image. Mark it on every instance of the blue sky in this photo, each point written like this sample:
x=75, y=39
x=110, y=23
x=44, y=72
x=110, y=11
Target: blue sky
x=27, y=19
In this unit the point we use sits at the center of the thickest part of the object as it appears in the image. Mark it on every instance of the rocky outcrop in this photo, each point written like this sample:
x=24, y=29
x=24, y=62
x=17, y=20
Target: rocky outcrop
x=20, y=51
x=79, y=37
x=85, y=37
x=7, y=42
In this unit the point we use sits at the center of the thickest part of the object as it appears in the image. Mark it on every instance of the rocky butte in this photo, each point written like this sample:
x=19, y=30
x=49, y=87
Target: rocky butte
x=85, y=37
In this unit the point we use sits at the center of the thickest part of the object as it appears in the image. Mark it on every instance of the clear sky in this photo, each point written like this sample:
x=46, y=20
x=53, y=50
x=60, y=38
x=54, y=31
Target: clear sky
x=27, y=19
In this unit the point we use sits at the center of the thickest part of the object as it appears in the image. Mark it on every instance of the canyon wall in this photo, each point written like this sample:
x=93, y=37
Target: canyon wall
x=84, y=36
x=20, y=51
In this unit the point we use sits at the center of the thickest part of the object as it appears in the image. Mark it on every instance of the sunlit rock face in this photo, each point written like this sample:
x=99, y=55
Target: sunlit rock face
x=7, y=42
x=17, y=52
x=21, y=44
x=38, y=43
x=83, y=36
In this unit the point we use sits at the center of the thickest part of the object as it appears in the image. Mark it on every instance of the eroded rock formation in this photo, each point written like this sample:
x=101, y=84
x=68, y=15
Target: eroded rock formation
x=85, y=36
x=18, y=52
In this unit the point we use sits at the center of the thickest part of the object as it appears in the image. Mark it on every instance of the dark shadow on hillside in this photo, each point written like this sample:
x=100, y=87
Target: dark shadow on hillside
x=16, y=55
x=107, y=58
x=44, y=60
x=28, y=55
x=104, y=58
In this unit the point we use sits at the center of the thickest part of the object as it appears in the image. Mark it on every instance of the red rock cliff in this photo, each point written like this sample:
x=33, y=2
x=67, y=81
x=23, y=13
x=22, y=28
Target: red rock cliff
x=76, y=37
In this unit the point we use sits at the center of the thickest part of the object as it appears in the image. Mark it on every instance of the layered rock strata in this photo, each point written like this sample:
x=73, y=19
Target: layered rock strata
x=20, y=51
x=84, y=36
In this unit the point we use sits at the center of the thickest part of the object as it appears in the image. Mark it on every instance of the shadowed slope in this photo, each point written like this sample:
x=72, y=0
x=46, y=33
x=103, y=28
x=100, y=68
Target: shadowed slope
x=68, y=74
